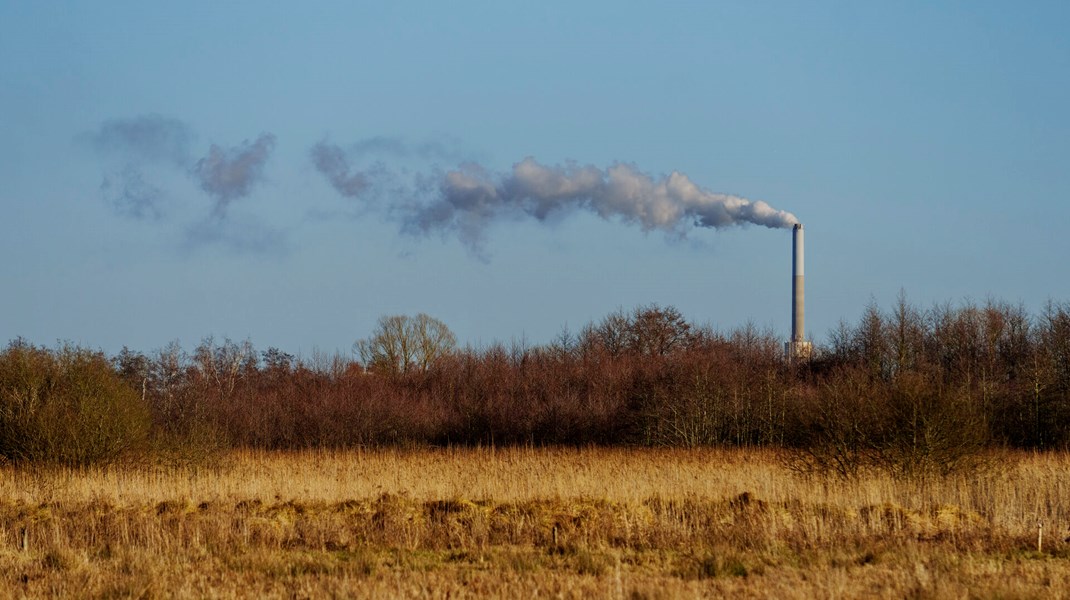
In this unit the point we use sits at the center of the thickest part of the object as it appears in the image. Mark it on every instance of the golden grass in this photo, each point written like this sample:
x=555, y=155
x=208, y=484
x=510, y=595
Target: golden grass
x=521, y=522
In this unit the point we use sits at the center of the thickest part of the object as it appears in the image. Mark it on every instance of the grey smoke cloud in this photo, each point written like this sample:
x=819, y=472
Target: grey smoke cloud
x=464, y=201
x=469, y=198
x=145, y=138
x=332, y=162
x=153, y=142
x=242, y=236
x=139, y=141
x=228, y=174
x=130, y=195
x=335, y=162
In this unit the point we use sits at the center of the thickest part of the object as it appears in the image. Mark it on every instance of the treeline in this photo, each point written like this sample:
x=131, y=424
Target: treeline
x=904, y=389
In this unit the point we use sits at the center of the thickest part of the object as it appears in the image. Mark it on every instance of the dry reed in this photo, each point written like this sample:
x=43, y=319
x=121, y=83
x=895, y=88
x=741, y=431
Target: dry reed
x=530, y=522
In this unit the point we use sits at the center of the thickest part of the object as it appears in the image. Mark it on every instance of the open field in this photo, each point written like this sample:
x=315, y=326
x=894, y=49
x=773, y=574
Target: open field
x=527, y=522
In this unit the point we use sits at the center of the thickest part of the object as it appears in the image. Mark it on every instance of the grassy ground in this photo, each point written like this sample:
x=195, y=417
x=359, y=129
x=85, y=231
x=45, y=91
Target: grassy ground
x=531, y=523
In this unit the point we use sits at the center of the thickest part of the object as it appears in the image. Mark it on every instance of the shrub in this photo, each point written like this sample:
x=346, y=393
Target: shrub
x=911, y=426
x=66, y=406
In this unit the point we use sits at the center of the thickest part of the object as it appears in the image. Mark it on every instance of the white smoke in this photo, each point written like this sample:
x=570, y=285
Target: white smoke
x=465, y=200
x=470, y=198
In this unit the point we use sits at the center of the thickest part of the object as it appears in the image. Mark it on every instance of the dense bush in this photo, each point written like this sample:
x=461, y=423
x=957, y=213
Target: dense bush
x=66, y=406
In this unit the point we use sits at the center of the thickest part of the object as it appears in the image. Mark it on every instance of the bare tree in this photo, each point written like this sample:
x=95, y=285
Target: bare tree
x=433, y=340
x=225, y=364
x=401, y=344
x=646, y=331
x=907, y=333
x=658, y=331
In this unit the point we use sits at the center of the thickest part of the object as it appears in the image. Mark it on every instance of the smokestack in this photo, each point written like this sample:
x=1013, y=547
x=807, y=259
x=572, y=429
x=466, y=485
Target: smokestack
x=797, y=347
x=797, y=302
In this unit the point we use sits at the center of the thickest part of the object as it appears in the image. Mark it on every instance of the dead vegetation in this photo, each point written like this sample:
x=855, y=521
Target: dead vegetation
x=522, y=522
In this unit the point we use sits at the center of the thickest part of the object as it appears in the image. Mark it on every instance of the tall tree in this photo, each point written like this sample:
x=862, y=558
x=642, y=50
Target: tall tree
x=401, y=344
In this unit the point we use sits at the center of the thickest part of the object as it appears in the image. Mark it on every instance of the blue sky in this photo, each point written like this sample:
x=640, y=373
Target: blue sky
x=925, y=146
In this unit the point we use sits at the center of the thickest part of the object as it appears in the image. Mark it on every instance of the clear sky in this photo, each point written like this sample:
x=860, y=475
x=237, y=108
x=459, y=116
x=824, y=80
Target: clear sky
x=159, y=176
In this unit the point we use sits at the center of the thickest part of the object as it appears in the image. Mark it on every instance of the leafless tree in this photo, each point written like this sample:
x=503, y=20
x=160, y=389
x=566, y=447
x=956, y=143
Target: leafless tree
x=402, y=344
x=647, y=331
x=224, y=365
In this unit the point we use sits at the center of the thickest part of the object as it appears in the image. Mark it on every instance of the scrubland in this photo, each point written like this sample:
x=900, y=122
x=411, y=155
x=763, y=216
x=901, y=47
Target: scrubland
x=532, y=522
x=920, y=453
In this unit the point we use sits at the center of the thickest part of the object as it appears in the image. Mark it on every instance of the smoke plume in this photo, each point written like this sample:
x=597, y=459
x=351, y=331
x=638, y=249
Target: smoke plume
x=331, y=161
x=466, y=200
x=463, y=201
x=138, y=142
x=247, y=235
x=469, y=198
x=334, y=163
x=146, y=138
x=156, y=144
x=130, y=195
x=227, y=174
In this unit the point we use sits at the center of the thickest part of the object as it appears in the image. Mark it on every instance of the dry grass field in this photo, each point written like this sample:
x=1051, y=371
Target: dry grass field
x=522, y=522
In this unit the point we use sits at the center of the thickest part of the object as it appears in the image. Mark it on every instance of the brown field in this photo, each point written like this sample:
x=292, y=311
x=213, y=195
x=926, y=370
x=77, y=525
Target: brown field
x=521, y=522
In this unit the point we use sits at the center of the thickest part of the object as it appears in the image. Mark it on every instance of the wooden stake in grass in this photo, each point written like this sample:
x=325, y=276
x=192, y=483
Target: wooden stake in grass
x=1040, y=536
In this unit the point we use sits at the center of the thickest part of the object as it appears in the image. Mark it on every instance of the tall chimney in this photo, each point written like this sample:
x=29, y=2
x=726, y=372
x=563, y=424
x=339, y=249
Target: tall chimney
x=797, y=348
x=797, y=302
